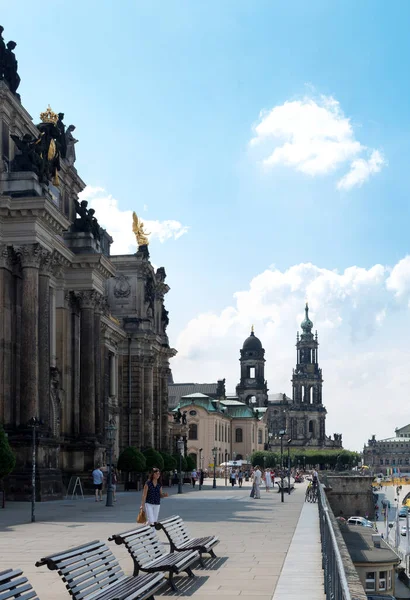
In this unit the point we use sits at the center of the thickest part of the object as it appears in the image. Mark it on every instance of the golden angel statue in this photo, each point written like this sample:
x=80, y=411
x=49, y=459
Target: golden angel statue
x=138, y=229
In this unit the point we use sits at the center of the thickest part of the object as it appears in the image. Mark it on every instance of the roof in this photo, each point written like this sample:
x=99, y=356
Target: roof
x=177, y=390
x=278, y=398
x=231, y=402
x=395, y=439
x=359, y=542
x=252, y=343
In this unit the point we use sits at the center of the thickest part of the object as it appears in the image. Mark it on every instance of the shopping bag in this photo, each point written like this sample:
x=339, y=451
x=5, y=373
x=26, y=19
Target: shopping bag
x=142, y=517
x=252, y=494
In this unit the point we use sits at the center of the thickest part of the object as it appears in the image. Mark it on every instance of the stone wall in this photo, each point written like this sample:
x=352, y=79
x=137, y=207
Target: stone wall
x=350, y=495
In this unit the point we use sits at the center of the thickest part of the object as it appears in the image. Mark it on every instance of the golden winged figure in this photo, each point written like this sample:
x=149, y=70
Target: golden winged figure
x=138, y=229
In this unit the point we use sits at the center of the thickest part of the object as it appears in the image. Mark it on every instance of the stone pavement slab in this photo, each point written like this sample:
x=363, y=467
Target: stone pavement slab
x=255, y=538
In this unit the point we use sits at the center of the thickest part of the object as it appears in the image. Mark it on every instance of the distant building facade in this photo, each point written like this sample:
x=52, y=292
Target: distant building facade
x=389, y=455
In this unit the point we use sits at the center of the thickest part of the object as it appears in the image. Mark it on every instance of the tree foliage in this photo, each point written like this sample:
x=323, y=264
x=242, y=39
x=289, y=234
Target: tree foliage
x=170, y=462
x=154, y=459
x=183, y=462
x=325, y=459
x=7, y=457
x=131, y=460
x=190, y=463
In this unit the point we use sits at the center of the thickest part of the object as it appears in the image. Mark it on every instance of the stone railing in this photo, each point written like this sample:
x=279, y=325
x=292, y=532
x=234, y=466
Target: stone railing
x=341, y=579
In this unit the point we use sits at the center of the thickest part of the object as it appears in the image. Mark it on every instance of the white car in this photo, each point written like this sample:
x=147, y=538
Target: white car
x=403, y=530
x=359, y=521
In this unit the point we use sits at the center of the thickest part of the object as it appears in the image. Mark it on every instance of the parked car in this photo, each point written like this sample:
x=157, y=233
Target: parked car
x=403, y=512
x=403, y=530
x=359, y=521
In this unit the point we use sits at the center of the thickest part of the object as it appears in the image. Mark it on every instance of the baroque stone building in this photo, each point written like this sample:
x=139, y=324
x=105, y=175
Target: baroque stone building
x=389, y=455
x=82, y=334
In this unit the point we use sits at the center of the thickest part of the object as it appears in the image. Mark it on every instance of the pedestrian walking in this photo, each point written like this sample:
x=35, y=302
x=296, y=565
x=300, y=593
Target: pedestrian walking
x=257, y=478
x=151, y=497
x=240, y=478
x=233, y=477
x=194, y=477
x=98, y=478
x=268, y=480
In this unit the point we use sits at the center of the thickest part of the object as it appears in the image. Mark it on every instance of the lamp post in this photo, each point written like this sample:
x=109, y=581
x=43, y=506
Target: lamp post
x=180, y=445
x=289, y=442
x=282, y=432
x=201, y=468
x=34, y=423
x=214, y=451
x=110, y=432
x=226, y=467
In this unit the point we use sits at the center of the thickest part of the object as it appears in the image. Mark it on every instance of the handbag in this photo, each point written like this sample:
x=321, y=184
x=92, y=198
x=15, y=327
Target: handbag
x=142, y=517
x=252, y=494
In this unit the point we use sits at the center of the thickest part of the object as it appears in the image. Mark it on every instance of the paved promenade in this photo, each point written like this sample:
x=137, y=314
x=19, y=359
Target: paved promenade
x=266, y=546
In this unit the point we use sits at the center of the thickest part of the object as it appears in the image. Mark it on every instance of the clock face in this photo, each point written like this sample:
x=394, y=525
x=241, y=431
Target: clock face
x=192, y=413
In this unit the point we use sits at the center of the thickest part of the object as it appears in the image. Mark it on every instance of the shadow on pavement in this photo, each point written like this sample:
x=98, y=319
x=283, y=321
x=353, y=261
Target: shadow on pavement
x=187, y=586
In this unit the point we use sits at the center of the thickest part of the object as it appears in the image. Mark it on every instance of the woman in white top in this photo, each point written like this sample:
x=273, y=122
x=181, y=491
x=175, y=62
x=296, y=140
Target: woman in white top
x=268, y=480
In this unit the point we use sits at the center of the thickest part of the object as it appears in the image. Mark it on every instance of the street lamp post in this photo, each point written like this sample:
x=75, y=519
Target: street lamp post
x=282, y=432
x=180, y=445
x=226, y=467
x=201, y=468
x=33, y=423
x=214, y=451
x=289, y=442
x=110, y=431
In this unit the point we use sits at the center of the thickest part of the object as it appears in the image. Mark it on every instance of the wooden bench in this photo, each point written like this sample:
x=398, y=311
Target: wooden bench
x=91, y=572
x=149, y=555
x=178, y=536
x=13, y=585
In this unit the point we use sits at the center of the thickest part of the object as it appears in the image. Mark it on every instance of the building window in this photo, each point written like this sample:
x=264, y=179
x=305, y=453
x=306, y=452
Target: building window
x=260, y=437
x=381, y=461
x=251, y=372
x=400, y=461
x=253, y=435
x=393, y=461
x=406, y=461
x=382, y=580
x=193, y=431
x=216, y=431
x=194, y=458
x=229, y=435
x=238, y=435
x=389, y=580
x=219, y=432
x=387, y=462
x=370, y=582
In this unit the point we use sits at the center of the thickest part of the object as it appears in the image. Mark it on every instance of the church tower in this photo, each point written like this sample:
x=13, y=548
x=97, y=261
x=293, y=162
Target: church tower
x=252, y=388
x=307, y=383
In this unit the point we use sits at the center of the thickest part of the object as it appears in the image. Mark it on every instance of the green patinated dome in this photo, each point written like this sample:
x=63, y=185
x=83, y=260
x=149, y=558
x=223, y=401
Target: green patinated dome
x=306, y=323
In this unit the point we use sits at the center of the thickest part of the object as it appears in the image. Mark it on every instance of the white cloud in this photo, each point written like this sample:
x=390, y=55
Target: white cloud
x=118, y=222
x=360, y=171
x=315, y=137
x=362, y=320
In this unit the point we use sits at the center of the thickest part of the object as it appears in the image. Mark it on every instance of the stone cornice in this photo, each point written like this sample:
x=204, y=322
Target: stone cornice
x=97, y=262
x=29, y=209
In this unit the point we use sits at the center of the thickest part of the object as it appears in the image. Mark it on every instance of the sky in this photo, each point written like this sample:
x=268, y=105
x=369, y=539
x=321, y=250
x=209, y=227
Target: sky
x=266, y=145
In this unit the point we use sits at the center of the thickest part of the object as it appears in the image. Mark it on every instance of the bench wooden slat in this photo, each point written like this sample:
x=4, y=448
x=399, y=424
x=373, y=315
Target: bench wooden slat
x=179, y=539
x=14, y=585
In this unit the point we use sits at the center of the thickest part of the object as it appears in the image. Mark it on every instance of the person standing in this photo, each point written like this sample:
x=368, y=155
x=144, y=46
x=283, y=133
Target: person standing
x=257, y=478
x=194, y=477
x=98, y=478
x=240, y=478
x=233, y=477
x=268, y=480
x=114, y=481
x=151, y=497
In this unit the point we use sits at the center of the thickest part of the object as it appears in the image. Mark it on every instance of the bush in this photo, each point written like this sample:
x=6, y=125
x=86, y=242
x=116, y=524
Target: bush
x=131, y=460
x=7, y=457
x=183, y=462
x=154, y=459
x=170, y=463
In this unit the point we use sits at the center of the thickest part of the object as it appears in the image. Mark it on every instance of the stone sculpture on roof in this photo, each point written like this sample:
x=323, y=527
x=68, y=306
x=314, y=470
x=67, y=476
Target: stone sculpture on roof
x=138, y=229
x=9, y=64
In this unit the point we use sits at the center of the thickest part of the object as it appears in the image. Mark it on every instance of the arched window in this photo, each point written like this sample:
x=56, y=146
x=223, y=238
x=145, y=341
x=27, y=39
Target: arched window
x=238, y=435
x=193, y=431
x=312, y=428
x=260, y=436
x=194, y=458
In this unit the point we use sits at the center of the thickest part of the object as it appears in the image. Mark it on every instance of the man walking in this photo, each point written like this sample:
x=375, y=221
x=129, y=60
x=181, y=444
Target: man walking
x=257, y=478
x=98, y=479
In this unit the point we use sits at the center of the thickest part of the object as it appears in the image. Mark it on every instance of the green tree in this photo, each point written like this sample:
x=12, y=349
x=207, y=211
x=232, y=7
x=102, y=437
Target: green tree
x=7, y=457
x=183, y=462
x=190, y=463
x=154, y=459
x=131, y=460
x=170, y=463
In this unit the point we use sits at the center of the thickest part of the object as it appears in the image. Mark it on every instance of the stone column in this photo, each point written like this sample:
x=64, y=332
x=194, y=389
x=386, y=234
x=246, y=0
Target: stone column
x=6, y=281
x=113, y=375
x=30, y=257
x=99, y=425
x=148, y=402
x=44, y=336
x=73, y=302
x=87, y=301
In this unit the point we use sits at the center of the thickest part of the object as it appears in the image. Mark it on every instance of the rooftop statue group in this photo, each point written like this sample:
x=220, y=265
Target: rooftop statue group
x=42, y=154
x=8, y=64
x=86, y=222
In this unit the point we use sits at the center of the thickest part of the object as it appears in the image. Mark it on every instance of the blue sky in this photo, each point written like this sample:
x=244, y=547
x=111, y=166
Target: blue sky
x=166, y=97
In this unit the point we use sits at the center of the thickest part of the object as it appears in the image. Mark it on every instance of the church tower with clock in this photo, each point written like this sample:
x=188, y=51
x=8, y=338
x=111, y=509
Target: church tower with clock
x=252, y=388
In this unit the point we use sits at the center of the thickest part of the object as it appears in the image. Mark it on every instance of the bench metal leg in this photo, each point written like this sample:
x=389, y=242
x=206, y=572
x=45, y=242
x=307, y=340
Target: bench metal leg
x=201, y=561
x=172, y=582
x=136, y=569
x=189, y=572
x=212, y=553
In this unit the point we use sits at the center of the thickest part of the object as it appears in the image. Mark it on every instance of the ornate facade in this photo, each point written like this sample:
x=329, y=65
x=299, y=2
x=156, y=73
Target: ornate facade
x=82, y=334
x=389, y=455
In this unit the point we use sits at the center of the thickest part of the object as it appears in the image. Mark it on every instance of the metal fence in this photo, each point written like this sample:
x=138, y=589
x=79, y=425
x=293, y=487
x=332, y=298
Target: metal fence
x=334, y=566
